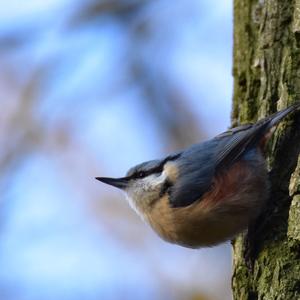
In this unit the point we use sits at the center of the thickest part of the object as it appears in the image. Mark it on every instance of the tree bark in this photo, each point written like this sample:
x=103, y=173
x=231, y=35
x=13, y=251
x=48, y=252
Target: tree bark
x=266, y=79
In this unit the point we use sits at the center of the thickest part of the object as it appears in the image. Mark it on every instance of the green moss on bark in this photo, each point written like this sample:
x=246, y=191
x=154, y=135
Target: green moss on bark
x=267, y=78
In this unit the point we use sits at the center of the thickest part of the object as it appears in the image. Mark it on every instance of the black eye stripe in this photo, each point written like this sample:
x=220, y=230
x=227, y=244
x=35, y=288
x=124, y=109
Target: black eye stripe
x=142, y=174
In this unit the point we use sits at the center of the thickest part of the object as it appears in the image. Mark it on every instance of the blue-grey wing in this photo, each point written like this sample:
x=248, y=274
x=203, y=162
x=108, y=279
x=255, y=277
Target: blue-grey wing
x=199, y=164
x=246, y=137
x=196, y=171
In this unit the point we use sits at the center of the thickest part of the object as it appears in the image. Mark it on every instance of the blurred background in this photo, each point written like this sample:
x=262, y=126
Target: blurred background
x=91, y=88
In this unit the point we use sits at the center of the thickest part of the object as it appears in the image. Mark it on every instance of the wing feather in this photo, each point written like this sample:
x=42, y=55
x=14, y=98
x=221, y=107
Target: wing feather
x=199, y=164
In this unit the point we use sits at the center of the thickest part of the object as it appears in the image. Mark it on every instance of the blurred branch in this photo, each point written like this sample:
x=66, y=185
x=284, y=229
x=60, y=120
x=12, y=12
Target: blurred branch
x=167, y=104
x=25, y=131
x=165, y=101
x=93, y=10
x=17, y=38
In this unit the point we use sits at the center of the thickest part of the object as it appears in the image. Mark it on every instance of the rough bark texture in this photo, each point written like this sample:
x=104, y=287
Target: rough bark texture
x=267, y=78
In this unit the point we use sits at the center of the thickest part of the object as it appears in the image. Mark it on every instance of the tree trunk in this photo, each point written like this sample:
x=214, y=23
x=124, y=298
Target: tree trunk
x=267, y=78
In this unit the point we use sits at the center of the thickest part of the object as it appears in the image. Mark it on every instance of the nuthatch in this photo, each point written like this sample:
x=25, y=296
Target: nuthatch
x=207, y=193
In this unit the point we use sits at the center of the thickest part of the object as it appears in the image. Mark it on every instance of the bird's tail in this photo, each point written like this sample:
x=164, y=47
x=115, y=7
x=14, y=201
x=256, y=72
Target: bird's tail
x=277, y=117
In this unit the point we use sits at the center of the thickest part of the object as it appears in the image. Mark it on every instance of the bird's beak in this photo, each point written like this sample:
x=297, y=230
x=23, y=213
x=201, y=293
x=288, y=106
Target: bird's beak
x=120, y=183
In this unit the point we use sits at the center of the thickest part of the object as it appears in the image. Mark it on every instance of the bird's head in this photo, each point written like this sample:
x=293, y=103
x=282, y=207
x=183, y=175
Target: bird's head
x=147, y=182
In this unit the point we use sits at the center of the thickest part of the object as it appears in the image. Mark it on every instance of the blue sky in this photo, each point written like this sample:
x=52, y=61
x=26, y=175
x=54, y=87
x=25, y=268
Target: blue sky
x=65, y=236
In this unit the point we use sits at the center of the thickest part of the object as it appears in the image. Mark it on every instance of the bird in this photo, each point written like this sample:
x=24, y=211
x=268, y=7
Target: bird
x=207, y=193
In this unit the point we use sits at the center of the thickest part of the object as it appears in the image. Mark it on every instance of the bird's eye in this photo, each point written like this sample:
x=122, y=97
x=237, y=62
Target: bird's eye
x=140, y=174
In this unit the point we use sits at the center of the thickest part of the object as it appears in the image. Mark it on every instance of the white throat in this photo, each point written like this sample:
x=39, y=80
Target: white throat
x=142, y=193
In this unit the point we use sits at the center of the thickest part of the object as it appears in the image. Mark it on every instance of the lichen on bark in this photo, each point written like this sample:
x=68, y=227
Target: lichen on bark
x=266, y=74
